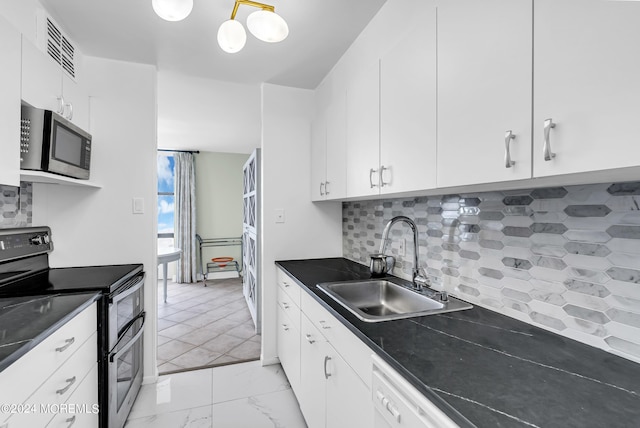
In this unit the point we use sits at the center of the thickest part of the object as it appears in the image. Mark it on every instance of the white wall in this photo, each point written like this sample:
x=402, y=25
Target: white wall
x=96, y=226
x=310, y=230
x=219, y=200
x=205, y=114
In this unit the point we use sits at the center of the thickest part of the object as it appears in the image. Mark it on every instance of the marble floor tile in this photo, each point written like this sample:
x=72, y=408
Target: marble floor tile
x=199, y=417
x=244, y=395
x=247, y=379
x=197, y=357
x=277, y=409
x=173, y=392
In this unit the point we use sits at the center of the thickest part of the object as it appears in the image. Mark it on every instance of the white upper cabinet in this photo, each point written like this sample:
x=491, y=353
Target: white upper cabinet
x=484, y=91
x=9, y=105
x=408, y=108
x=328, y=152
x=336, y=150
x=363, y=132
x=587, y=83
x=318, y=158
x=45, y=85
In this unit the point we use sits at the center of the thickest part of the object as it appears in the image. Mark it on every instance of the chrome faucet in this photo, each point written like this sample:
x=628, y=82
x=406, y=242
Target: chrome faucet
x=419, y=279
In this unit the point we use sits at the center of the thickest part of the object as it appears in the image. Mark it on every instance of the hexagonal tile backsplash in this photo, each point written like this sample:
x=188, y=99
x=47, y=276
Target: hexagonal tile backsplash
x=15, y=206
x=566, y=259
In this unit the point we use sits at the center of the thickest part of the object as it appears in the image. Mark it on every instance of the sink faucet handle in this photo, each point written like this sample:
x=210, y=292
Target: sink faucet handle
x=420, y=280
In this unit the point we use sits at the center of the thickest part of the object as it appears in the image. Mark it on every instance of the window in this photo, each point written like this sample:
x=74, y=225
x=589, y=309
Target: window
x=166, y=198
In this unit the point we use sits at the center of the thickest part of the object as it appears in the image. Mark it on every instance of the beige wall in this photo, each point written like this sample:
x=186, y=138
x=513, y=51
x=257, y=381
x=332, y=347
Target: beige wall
x=219, y=199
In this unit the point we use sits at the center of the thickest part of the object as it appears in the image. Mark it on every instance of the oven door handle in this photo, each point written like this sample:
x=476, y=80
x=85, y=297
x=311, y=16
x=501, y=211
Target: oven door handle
x=124, y=330
x=135, y=286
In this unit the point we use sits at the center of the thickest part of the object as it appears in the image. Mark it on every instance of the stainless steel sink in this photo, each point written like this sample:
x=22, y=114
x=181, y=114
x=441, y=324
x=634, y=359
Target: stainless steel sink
x=375, y=300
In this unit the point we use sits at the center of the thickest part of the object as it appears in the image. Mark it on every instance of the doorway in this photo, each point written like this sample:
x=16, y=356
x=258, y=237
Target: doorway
x=204, y=323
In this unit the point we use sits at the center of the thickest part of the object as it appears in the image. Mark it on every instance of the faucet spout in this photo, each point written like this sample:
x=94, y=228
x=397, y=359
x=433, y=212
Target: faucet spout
x=385, y=236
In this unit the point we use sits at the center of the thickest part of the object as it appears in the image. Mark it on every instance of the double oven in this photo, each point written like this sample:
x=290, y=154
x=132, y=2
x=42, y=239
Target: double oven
x=25, y=271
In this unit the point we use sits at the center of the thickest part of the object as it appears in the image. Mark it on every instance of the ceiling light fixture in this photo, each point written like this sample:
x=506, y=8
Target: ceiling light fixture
x=172, y=10
x=265, y=24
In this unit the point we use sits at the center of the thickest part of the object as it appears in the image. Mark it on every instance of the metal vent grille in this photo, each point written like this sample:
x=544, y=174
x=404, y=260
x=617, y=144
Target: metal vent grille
x=60, y=49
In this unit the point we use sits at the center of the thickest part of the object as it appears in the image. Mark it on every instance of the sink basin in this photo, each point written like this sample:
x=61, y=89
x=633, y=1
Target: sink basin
x=375, y=300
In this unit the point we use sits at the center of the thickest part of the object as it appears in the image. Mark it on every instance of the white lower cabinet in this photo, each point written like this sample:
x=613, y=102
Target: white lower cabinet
x=56, y=380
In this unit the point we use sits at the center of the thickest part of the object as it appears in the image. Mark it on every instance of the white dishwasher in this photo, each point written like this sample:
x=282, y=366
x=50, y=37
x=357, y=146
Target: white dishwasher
x=398, y=404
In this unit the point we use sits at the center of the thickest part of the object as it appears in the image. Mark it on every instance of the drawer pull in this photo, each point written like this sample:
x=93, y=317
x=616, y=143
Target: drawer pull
x=324, y=326
x=70, y=382
x=326, y=374
x=284, y=305
x=71, y=421
x=286, y=284
x=68, y=342
x=309, y=339
x=285, y=327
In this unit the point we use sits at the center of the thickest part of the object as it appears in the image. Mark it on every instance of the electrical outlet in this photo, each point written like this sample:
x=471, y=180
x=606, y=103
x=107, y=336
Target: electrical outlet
x=402, y=247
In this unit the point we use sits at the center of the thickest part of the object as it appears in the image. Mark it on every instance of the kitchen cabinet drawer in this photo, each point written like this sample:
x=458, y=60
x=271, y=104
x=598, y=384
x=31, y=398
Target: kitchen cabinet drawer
x=84, y=403
x=289, y=286
x=352, y=349
x=27, y=374
x=59, y=387
x=289, y=307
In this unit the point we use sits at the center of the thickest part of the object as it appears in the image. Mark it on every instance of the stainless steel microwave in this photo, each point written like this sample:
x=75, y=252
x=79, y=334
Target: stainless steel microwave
x=50, y=143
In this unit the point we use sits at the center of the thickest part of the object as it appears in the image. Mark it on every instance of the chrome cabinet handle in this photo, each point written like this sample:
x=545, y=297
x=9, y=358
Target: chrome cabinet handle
x=326, y=374
x=324, y=326
x=68, y=342
x=321, y=189
x=70, y=382
x=371, y=172
x=326, y=187
x=508, y=136
x=309, y=339
x=382, y=170
x=548, y=154
x=284, y=305
x=285, y=327
x=71, y=421
x=286, y=284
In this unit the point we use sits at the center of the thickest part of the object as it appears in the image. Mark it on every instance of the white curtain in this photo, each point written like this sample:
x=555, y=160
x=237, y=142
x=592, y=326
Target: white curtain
x=185, y=216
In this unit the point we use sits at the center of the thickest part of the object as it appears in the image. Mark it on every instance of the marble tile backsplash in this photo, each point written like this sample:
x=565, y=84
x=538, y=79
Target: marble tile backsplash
x=566, y=259
x=16, y=205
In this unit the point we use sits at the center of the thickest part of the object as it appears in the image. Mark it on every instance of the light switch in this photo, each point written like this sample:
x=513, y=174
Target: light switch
x=280, y=216
x=138, y=205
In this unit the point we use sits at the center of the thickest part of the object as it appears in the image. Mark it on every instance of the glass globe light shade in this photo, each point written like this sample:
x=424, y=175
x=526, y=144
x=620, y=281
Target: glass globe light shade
x=267, y=26
x=231, y=36
x=172, y=10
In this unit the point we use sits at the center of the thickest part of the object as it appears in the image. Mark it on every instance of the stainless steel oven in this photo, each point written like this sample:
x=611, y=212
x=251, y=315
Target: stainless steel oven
x=122, y=364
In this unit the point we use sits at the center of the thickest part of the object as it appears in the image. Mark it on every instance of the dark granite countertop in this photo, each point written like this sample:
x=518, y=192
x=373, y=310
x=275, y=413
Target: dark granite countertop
x=485, y=369
x=27, y=321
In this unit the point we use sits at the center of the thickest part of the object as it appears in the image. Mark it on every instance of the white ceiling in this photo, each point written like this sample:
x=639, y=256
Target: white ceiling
x=319, y=33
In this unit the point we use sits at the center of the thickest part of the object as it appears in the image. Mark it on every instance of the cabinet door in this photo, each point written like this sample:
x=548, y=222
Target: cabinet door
x=484, y=90
x=9, y=105
x=408, y=107
x=41, y=78
x=288, y=338
x=349, y=401
x=586, y=79
x=363, y=132
x=312, y=397
x=318, y=158
x=336, y=186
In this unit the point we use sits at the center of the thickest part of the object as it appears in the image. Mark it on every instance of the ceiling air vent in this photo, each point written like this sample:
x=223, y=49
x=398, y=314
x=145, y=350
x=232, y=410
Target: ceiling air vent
x=56, y=45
